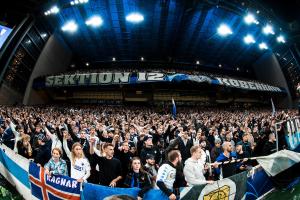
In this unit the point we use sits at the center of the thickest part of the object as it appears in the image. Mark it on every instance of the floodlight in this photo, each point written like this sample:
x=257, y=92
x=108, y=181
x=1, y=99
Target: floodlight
x=224, y=30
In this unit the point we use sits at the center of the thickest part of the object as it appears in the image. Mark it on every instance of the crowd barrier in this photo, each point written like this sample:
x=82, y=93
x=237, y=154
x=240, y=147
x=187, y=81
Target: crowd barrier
x=15, y=169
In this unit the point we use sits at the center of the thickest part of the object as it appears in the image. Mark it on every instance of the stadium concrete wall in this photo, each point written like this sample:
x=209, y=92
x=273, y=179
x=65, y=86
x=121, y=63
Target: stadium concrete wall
x=54, y=59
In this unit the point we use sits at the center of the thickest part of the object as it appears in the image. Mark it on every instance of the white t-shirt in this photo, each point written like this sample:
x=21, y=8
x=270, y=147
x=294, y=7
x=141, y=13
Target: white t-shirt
x=80, y=168
x=166, y=174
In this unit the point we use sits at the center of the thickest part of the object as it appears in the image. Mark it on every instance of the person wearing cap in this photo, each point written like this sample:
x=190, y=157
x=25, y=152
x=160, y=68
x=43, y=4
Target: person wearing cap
x=151, y=167
x=149, y=149
x=43, y=151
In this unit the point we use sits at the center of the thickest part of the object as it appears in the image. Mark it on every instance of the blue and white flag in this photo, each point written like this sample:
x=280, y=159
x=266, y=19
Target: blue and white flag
x=54, y=187
x=273, y=108
x=173, y=109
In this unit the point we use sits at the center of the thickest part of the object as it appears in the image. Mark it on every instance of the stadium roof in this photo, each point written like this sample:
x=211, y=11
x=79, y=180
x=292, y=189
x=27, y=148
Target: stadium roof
x=179, y=31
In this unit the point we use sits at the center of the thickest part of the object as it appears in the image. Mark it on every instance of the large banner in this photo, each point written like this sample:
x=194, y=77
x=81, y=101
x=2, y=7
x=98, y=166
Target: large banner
x=232, y=188
x=292, y=134
x=54, y=187
x=144, y=77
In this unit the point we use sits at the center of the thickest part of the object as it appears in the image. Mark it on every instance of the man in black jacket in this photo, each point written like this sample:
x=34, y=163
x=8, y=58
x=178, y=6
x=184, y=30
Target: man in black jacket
x=184, y=144
x=149, y=149
x=270, y=145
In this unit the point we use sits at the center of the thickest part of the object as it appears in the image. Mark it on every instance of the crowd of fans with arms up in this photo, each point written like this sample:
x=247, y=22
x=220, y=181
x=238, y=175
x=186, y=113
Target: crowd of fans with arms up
x=126, y=146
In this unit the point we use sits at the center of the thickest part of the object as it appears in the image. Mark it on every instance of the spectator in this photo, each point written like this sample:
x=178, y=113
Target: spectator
x=227, y=169
x=167, y=173
x=270, y=145
x=151, y=167
x=56, y=165
x=80, y=166
x=195, y=169
x=149, y=149
x=110, y=168
x=137, y=177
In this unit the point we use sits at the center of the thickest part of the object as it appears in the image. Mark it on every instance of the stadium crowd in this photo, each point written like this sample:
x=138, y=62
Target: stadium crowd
x=141, y=147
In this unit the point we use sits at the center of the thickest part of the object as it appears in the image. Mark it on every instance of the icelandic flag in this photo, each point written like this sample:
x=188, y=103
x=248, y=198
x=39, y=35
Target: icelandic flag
x=273, y=108
x=54, y=187
x=173, y=109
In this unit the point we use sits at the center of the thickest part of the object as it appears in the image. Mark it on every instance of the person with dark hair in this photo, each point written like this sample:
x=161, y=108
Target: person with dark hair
x=184, y=143
x=270, y=145
x=149, y=149
x=151, y=167
x=137, y=177
x=167, y=173
x=110, y=168
x=43, y=151
x=246, y=145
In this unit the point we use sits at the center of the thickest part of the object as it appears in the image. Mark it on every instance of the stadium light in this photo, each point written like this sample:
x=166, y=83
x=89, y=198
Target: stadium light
x=87, y=64
x=70, y=26
x=268, y=29
x=94, y=21
x=197, y=62
x=263, y=46
x=75, y=2
x=224, y=30
x=280, y=39
x=135, y=17
x=220, y=65
x=44, y=35
x=248, y=39
x=142, y=59
x=113, y=59
x=54, y=10
x=250, y=19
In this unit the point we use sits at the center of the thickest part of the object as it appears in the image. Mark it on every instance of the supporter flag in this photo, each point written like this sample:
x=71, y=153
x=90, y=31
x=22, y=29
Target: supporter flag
x=273, y=108
x=282, y=167
x=99, y=192
x=54, y=187
x=173, y=109
x=231, y=188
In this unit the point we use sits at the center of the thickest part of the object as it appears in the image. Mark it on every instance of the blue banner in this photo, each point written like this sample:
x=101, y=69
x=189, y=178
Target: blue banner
x=54, y=187
x=109, y=78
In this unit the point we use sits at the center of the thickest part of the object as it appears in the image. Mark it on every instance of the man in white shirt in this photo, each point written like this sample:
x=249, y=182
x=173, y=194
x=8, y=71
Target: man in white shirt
x=195, y=168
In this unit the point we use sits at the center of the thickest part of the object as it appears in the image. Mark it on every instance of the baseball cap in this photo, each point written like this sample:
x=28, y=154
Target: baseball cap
x=150, y=156
x=147, y=137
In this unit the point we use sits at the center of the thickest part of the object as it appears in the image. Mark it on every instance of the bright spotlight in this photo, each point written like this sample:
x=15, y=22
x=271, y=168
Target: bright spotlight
x=248, y=39
x=263, y=46
x=197, y=62
x=87, y=64
x=70, y=26
x=142, y=59
x=94, y=21
x=224, y=30
x=76, y=2
x=135, y=17
x=72, y=3
x=280, y=39
x=54, y=10
x=113, y=59
x=268, y=29
x=250, y=19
